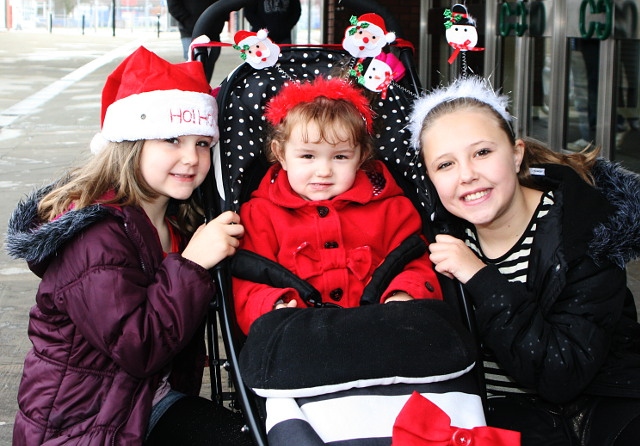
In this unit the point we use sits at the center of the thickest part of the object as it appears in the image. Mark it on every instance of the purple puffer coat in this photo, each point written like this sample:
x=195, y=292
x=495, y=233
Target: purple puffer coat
x=110, y=315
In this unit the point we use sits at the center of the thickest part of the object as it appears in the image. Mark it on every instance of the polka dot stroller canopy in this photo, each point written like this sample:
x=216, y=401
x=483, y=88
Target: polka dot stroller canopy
x=241, y=102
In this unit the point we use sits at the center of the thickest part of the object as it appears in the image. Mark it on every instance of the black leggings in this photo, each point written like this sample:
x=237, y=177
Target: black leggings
x=588, y=421
x=196, y=421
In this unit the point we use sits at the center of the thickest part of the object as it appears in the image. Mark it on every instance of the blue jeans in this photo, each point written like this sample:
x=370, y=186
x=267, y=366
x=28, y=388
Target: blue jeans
x=161, y=407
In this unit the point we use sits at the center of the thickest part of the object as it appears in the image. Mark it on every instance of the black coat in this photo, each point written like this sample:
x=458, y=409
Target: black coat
x=187, y=12
x=572, y=328
x=277, y=16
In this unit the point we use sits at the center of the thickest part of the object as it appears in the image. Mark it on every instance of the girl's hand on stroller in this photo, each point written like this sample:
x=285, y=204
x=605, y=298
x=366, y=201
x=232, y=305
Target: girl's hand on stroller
x=215, y=241
x=398, y=296
x=453, y=258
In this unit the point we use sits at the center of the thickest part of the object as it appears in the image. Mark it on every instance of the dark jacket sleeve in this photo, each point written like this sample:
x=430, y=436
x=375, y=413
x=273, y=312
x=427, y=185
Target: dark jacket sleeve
x=179, y=11
x=556, y=347
x=294, y=13
x=253, y=15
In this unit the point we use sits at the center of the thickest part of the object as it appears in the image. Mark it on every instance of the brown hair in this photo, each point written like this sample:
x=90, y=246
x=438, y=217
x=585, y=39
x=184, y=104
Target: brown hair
x=329, y=115
x=115, y=168
x=535, y=152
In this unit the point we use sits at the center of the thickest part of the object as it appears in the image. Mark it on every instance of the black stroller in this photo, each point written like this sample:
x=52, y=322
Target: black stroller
x=242, y=165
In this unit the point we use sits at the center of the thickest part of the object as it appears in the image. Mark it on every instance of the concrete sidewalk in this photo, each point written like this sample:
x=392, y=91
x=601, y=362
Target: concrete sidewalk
x=49, y=111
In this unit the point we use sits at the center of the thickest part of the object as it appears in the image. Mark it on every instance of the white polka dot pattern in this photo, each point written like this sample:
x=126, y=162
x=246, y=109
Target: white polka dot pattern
x=245, y=92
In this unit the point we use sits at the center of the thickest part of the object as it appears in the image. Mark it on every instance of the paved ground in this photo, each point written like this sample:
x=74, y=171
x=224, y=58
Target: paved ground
x=49, y=111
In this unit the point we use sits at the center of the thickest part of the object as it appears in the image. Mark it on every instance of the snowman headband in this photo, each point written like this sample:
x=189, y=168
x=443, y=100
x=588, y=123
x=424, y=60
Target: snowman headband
x=472, y=87
x=295, y=93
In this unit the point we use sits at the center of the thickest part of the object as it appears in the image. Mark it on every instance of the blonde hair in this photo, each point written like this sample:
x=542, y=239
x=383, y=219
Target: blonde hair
x=535, y=152
x=116, y=168
x=330, y=116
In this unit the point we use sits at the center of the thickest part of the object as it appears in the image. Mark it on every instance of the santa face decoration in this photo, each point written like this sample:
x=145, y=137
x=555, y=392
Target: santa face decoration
x=256, y=48
x=366, y=36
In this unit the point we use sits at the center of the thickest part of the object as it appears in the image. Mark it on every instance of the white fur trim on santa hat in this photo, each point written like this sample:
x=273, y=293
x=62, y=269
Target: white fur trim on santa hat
x=159, y=114
x=253, y=38
x=473, y=87
x=377, y=31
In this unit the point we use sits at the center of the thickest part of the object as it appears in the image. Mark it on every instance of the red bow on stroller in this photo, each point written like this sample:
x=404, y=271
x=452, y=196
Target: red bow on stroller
x=422, y=423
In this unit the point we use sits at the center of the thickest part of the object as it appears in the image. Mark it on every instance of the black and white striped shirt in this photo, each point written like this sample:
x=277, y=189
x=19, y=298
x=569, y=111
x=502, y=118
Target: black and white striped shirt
x=514, y=265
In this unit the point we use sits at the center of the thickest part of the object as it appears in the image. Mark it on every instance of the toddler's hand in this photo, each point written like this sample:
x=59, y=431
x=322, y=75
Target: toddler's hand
x=215, y=240
x=399, y=296
x=291, y=304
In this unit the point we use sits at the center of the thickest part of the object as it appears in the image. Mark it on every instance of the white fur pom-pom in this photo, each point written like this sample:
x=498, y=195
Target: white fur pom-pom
x=98, y=143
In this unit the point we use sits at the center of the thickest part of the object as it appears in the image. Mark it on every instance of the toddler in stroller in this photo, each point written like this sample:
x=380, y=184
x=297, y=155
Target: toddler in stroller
x=326, y=210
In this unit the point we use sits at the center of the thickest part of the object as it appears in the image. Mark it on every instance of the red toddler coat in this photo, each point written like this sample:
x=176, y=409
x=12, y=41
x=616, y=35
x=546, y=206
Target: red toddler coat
x=334, y=244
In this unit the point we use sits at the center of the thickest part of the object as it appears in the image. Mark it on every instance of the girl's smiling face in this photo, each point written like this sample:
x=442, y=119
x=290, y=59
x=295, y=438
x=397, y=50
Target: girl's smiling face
x=473, y=166
x=175, y=167
x=318, y=169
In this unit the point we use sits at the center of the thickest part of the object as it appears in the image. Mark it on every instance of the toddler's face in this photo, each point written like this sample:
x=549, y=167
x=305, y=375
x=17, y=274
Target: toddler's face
x=318, y=169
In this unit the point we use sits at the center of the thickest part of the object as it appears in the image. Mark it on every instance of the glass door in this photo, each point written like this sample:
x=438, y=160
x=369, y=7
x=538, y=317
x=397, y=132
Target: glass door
x=625, y=111
x=571, y=67
x=522, y=62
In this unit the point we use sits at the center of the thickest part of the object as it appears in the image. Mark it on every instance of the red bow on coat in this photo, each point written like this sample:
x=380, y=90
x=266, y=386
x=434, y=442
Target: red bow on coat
x=422, y=423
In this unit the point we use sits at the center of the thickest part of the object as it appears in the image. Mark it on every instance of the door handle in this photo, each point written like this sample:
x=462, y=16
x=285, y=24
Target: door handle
x=600, y=30
x=520, y=26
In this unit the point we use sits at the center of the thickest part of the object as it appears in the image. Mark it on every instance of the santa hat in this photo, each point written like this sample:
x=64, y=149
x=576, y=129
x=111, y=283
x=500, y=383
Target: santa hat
x=377, y=26
x=472, y=87
x=242, y=38
x=147, y=97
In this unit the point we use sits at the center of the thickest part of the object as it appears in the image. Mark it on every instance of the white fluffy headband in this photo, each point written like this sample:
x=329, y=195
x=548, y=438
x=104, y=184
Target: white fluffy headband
x=473, y=87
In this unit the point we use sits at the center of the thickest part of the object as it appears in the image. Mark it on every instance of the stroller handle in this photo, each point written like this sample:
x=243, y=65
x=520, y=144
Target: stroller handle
x=212, y=20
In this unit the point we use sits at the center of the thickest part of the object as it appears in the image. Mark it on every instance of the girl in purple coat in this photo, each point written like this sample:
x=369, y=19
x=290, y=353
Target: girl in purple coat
x=118, y=346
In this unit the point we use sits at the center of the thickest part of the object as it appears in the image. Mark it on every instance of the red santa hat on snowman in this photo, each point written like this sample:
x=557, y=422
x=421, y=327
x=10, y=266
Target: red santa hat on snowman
x=146, y=97
x=369, y=23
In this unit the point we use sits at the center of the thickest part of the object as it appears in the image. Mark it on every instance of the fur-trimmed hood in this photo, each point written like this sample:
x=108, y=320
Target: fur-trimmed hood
x=617, y=239
x=30, y=239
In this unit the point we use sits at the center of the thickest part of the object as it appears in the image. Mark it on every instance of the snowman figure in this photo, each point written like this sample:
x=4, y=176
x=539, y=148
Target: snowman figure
x=366, y=36
x=381, y=71
x=256, y=49
x=461, y=32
